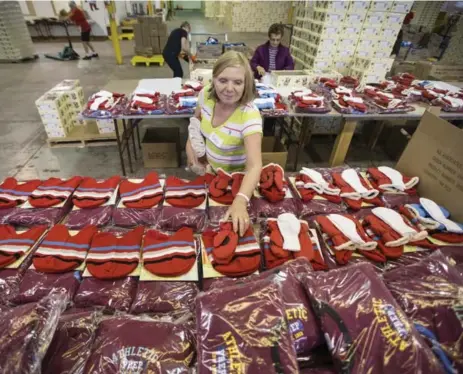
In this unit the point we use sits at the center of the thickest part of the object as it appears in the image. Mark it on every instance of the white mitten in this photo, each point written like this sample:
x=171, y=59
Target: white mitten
x=196, y=138
x=320, y=184
x=289, y=227
x=352, y=178
x=436, y=213
x=397, y=180
x=349, y=229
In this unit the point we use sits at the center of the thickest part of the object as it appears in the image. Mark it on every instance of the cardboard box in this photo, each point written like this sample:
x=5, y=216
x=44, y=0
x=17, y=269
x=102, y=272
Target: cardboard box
x=155, y=45
x=161, y=29
x=286, y=78
x=208, y=51
x=138, y=33
x=273, y=151
x=160, y=147
x=162, y=42
x=434, y=154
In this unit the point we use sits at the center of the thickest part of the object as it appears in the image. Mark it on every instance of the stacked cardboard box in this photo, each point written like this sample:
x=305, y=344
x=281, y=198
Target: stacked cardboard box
x=59, y=108
x=150, y=35
x=454, y=52
x=426, y=13
x=15, y=40
x=105, y=126
x=255, y=16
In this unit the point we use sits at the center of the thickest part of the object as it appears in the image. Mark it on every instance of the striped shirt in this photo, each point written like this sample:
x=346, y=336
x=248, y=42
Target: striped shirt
x=272, y=53
x=225, y=143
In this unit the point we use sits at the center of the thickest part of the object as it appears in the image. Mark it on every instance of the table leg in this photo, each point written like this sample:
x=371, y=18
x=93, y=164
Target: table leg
x=118, y=140
x=138, y=135
x=375, y=135
x=300, y=144
x=126, y=140
x=341, y=146
x=132, y=135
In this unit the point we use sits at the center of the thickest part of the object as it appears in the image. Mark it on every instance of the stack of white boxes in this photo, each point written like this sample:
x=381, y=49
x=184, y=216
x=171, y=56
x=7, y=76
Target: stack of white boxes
x=15, y=40
x=426, y=13
x=338, y=34
x=59, y=107
x=454, y=52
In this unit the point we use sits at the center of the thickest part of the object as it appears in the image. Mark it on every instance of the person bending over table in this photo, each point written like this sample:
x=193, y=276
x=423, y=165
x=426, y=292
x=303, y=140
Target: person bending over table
x=177, y=43
x=226, y=130
x=268, y=57
x=78, y=17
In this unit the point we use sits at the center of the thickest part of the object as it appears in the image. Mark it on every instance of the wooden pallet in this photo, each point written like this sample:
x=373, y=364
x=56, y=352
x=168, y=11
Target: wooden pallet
x=155, y=59
x=126, y=36
x=25, y=59
x=83, y=136
x=129, y=21
x=127, y=29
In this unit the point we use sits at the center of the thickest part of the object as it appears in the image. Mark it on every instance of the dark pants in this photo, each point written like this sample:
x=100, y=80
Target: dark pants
x=269, y=126
x=174, y=64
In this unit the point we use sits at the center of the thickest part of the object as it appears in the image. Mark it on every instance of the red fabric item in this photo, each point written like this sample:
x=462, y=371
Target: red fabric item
x=225, y=243
x=386, y=234
x=307, y=194
x=185, y=194
x=112, y=257
x=14, y=245
x=169, y=255
x=60, y=252
x=219, y=188
x=379, y=179
x=275, y=254
x=143, y=195
x=78, y=17
x=272, y=185
x=13, y=193
x=346, y=188
x=448, y=237
x=342, y=256
x=92, y=194
x=246, y=255
x=53, y=192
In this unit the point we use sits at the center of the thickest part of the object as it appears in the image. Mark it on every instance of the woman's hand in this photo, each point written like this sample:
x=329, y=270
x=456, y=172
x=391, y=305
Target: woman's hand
x=260, y=71
x=238, y=212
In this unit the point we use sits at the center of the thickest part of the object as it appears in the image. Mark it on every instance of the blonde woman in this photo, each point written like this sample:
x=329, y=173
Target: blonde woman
x=230, y=127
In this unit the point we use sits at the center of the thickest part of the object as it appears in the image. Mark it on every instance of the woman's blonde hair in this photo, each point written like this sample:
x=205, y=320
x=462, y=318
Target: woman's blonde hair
x=233, y=59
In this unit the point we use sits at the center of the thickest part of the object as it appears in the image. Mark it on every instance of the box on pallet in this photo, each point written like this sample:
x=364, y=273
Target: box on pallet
x=324, y=28
x=355, y=6
x=349, y=31
x=150, y=35
x=401, y=6
x=202, y=75
x=354, y=18
x=375, y=18
x=327, y=17
x=105, y=126
x=393, y=19
x=372, y=65
x=382, y=6
x=52, y=101
x=208, y=51
x=342, y=65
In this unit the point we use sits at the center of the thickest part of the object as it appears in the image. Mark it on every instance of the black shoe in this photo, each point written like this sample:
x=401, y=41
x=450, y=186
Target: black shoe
x=95, y=55
x=87, y=58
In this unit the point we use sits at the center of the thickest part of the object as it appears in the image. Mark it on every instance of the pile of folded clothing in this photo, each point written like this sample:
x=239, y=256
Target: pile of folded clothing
x=269, y=101
x=347, y=101
x=105, y=104
x=307, y=101
x=147, y=103
x=386, y=101
x=182, y=101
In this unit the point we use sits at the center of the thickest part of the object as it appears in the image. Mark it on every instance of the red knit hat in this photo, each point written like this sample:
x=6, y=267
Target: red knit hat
x=13, y=193
x=272, y=185
x=169, y=256
x=246, y=256
x=92, y=194
x=60, y=252
x=220, y=188
x=225, y=243
x=53, y=192
x=185, y=194
x=143, y=195
x=111, y=257
x=380, y=180
x=14, y=245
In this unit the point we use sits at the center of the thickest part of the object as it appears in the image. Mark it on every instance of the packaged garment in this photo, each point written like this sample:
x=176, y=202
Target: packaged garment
x=158, y=297
x=309, y=101
x=386, y=102
x=224, y=252
x=27, y=331
x=140, y=202
x=392, y=231
x=108, y=295
x=136, y=345
x=62, y=251
x=9, y=285
x=344, y=235
x=355, y=189
x=71, y=345
x=146, y=104
x=16, y=245
x=79, y=218
x=364, y=326
x=449, y=103
x=429, y=291
x=386, y=179
x=454, y=255
x=346, y=101
x=184, y=204
x=5, y=214
x=27, y=216
x=243, y=329
x=302, y=323
x=182, y=102
x=281, y=244
x=315, y=192
x=104, y=104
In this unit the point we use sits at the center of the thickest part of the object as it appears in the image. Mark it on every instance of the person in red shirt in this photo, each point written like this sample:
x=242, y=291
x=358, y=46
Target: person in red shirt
x=77, y=16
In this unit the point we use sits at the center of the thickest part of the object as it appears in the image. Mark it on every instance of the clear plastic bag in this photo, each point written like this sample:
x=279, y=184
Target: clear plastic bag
x=455, y=255
x=324, y=370
x=109, y=295
x=364, y=326
x=243, y=329
x=72, y=343
x=5, y=214
x=9, y=285
x=395, y=200
x=266, y=209
x=429, y=291
x=129, y=217
x=216, y=214
x=159, y=297
x=174, y=218
x=27, y=331
x=118, y=108
x=38, y=216
x=157, y=109
x=79, y=218
x=135, y=345
x=36, y=285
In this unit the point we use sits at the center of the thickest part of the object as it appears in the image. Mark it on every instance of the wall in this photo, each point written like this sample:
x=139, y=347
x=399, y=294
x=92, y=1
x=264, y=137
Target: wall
x=188, y=4
x=257, y=16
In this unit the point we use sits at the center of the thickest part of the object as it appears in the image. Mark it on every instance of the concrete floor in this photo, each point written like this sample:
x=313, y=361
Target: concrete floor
x=23, y=149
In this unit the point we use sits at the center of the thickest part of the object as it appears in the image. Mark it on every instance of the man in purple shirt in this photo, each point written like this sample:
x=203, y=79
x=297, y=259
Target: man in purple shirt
x=272, y=55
